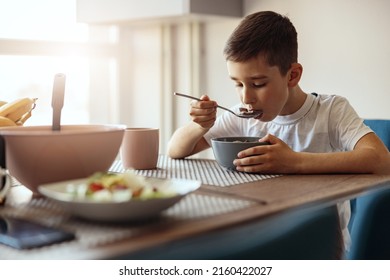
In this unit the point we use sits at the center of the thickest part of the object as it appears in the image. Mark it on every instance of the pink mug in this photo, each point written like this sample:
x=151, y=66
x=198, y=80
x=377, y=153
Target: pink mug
x=140, y=148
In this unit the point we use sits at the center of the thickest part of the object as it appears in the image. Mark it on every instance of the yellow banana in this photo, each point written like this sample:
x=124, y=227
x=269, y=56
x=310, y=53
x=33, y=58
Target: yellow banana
x=16, y=109
x=6, y=122
x=24, y=118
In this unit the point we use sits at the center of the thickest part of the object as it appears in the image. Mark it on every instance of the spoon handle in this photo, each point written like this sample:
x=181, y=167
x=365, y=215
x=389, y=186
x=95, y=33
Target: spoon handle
x=195, y=98
x=249, y=115
x=57, y=101
x=188, y=96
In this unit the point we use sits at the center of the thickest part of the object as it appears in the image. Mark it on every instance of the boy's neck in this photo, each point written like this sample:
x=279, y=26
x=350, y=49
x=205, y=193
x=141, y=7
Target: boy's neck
x=295, y=101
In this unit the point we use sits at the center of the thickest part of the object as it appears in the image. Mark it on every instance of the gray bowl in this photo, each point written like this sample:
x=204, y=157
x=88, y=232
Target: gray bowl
x=225, y=149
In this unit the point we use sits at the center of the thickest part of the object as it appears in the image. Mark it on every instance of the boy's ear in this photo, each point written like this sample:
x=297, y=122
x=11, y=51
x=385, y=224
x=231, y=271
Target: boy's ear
x=295, y=74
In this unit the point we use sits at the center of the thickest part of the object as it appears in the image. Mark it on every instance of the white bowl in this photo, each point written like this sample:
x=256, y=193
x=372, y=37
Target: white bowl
x=37, y=155
x=111, y=211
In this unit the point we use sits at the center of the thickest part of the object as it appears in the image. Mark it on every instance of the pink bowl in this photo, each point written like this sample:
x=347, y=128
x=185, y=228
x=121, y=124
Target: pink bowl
x=37, y=155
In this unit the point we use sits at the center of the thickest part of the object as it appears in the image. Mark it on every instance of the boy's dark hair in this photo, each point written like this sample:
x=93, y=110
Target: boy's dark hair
x=264, y=33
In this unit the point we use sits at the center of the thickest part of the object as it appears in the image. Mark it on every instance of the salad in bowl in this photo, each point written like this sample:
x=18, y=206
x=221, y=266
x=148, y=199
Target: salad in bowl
x=105, y=186
x=118, y=197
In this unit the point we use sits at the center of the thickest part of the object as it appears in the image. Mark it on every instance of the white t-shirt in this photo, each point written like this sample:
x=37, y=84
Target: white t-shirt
x=324, y=123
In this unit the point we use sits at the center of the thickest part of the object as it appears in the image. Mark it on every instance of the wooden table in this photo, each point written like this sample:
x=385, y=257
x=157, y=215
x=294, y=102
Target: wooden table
x=256, y=201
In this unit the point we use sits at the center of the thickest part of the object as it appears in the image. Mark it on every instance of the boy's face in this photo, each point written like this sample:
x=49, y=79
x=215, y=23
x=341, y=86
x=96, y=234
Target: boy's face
x=261, y=87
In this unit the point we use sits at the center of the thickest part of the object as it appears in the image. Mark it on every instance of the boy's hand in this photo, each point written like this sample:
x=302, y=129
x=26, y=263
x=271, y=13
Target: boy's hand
x=277, y=158
x=204, y=112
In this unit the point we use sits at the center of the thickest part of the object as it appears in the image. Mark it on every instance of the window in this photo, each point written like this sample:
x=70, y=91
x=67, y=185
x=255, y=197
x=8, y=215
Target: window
x=33, y=76
x=52, y=20
x=39, y=39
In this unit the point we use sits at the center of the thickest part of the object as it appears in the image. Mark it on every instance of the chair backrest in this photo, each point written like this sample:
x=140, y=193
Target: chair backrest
x=368, y=225
x=309, y=235
x=381, y=128
x=301, y=234
x=370, y=230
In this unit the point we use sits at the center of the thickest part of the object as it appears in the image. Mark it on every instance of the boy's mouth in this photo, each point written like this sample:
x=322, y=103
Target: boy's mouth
x=260, y=114
x=251, y=112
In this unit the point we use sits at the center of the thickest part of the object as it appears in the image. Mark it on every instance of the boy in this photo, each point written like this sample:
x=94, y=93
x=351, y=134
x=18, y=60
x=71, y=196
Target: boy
x=308, y=133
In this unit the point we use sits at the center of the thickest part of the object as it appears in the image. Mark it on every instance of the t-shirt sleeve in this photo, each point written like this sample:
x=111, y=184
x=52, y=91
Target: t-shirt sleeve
x=345, y=126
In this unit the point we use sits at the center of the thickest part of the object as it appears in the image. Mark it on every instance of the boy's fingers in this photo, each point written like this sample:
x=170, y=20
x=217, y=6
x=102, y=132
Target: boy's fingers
x=203, y=104
x=269, y=138
x=205, y=98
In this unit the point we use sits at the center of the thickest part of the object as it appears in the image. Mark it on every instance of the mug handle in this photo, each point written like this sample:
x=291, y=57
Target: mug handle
x=7, y=184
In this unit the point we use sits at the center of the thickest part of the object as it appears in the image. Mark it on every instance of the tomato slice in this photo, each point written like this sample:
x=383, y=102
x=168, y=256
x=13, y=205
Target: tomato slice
x=94, y=187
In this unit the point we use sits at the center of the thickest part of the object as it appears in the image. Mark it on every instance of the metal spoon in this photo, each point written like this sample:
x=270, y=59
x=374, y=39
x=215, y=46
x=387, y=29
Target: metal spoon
x=245, y=115
x=57, y=101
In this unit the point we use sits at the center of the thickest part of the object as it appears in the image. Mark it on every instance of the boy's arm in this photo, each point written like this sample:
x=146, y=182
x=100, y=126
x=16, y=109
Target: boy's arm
x=187, y=140
x=370, y=155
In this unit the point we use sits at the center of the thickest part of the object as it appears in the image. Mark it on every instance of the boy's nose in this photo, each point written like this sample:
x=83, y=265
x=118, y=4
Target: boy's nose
x=248, y=97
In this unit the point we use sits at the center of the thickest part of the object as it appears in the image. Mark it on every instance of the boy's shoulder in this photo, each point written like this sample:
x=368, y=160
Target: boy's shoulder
x=331, y=104
x=329, y=99
x=327, y=96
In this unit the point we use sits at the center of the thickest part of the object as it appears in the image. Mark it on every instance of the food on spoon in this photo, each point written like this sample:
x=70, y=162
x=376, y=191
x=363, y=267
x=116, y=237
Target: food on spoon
x=106, y=186
x=245, y=111
x=17, y=111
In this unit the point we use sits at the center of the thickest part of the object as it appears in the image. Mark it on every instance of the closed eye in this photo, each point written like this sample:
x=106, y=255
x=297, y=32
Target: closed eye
x=259, y=85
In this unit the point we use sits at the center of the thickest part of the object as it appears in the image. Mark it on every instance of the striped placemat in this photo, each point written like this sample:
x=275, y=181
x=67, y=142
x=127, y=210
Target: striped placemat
x=205, y=170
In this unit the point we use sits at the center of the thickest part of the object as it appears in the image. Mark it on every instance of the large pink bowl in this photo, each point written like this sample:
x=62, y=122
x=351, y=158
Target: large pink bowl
x=37, y=155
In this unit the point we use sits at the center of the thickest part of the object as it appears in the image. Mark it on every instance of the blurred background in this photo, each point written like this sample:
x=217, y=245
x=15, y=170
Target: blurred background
x=124, y=58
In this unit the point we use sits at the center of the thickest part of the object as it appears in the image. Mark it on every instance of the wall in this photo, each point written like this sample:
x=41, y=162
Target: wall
x=219, y=86
x=344, y=47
